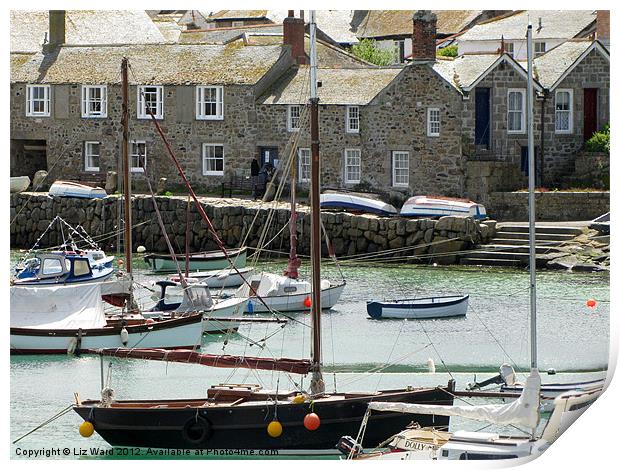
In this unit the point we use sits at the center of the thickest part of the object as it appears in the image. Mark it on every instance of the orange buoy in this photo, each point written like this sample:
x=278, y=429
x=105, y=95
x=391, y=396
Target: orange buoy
x=312, y=421
x=591, y=303
x=308, y=302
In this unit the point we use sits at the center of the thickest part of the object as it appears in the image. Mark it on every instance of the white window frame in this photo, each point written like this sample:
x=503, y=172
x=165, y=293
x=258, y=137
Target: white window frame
x=47, y=91
x=206, y=172
x=133, y=154
x=538, y=50
x=433, y=126
x=87, y=100
x=353, y=154
x=399, y=51
x=395, y=183
x=289, y=117
x=303, y=154
x=570, y=111
x=509, y=48
x=159, y=105
x=88, y=155
x=236, y=24
x=201, y=101
x=521, y=130
x=355, y=119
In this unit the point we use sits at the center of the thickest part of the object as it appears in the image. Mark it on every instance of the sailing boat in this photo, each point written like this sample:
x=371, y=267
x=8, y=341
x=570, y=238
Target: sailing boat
x=234, y=416
x=525, y=411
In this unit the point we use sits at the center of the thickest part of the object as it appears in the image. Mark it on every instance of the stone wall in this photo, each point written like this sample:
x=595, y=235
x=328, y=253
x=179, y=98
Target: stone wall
x=552, y=206
x=429, y=240
x=485, y=178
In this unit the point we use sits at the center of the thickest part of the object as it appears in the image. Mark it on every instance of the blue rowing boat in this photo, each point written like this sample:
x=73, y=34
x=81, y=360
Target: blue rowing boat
x=422, y=308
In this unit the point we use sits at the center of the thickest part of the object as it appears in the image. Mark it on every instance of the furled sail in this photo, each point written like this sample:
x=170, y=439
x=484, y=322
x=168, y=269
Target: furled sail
x=294, y=366
x=522, y=412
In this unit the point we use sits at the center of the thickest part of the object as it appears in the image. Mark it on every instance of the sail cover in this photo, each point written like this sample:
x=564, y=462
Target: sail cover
x=69, y=306
x=294, y=366
x=521, y=412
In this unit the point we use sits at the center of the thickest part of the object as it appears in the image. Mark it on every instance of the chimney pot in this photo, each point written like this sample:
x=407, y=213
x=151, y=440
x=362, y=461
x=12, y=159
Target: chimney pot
x=294, y=35
x=424, y=33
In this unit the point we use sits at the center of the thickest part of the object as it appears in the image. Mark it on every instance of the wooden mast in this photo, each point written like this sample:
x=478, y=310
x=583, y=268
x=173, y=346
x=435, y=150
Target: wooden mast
x=125, y=153
x=317, y=385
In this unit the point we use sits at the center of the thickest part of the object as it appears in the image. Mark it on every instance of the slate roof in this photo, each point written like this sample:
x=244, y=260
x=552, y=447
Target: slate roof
x=224, y=35
x=549, y=67
x=238, y=14
x=337, y=24
x=28, y=28
x=163, y=64
x=385, y=23
x=341, y=86
x=328, y=56
x=555, y=24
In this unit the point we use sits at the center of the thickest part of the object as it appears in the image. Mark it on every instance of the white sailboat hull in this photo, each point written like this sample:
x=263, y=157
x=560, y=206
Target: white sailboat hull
x=295, y=302
x=37, y=341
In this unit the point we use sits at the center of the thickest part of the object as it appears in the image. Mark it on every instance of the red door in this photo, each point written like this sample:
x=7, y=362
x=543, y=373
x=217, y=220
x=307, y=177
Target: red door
x=590, y=112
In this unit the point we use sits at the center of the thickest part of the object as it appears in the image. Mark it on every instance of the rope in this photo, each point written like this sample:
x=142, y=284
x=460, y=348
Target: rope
x=46, y=422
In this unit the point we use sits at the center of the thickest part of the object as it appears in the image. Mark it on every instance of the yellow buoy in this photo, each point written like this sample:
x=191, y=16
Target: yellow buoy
x=274, y=429
x=87, y=429
x=297, y=399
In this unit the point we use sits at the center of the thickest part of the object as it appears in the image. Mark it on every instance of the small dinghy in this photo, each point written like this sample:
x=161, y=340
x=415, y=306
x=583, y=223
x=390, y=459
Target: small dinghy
x=220, y=315
x=219, y=278
x=204, y=261
x=352, y=202
x=19, y=183
x=73, y=189
x=425, y=206
x=422, y=308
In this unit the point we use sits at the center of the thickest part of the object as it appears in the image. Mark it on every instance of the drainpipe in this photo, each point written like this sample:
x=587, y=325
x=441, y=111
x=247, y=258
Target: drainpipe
x=542, y=139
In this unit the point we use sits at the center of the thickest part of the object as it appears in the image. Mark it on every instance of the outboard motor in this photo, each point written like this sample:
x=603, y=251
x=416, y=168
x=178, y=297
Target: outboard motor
x=506, y=376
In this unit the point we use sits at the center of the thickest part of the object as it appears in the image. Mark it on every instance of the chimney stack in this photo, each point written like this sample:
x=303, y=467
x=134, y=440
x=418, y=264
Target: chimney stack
x=424, y=32
x=602, y=26
x=56, y=29
x=294, y=34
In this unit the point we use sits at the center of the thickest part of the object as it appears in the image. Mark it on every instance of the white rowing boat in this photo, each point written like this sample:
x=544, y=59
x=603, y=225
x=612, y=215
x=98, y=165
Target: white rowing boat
x=425, y=206
x=19, y=183
x=422, y=308
x=73, y=189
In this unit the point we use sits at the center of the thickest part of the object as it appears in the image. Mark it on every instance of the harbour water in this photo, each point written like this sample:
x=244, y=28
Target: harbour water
x=359, y=353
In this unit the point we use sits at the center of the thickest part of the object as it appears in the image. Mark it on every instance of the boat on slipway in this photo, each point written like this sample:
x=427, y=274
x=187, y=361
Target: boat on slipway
x=427, y=206
x=420, y=308
x=61, y=319
x=75, y=189
x=19, y=183
x=234, y=416
x=203, y=261
x=356, y=203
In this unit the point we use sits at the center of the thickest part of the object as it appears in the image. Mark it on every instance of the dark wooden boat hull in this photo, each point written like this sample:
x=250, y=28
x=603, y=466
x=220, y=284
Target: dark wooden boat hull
x=245, y=427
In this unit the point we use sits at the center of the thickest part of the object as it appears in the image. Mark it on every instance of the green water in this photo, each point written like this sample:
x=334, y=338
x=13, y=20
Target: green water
x=572, y=339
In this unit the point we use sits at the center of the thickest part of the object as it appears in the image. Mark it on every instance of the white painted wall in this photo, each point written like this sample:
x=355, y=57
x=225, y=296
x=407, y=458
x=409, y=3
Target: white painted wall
x=390, y=44
x=492, y=46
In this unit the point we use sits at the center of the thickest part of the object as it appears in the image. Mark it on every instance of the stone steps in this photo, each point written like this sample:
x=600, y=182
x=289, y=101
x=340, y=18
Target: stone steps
x=556, y=237
x=510, y=247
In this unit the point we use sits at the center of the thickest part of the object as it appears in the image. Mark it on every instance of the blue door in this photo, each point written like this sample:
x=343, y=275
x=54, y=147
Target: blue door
x=483, y=117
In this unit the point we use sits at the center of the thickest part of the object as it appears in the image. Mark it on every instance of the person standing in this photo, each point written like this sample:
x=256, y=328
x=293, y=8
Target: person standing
x=254, y=170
